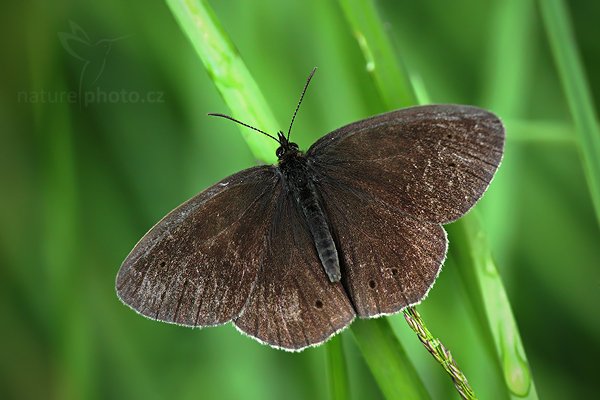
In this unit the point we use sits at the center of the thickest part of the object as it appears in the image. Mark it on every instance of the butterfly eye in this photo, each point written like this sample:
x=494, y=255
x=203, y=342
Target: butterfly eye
x=294, y=146
x=279, y=152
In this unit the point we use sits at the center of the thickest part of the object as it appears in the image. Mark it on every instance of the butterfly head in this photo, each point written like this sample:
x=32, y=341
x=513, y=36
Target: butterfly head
x=286, y=148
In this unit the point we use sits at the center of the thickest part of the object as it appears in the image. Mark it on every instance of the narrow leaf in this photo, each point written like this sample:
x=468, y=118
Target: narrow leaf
x=228, y=72
x=570, y=68
x=339, y=386
x=387, y=360
x=471, y=251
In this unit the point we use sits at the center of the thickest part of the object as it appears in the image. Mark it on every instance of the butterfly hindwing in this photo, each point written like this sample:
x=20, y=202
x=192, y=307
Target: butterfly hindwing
x=389, y=260
x=387, y=183
x=293, y=305
x=433, y=162
x=196, y=267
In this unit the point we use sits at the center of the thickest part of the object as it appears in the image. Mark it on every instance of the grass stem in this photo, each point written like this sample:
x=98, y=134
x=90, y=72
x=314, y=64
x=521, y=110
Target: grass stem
x=439, y=352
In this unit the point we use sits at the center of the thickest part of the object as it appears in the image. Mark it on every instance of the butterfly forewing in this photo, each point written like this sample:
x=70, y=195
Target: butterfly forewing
x=197, y=266
x=293, y=305
x=433, y=162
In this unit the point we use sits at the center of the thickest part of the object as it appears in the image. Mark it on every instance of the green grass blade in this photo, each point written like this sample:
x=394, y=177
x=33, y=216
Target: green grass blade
x=509, y=57
x=387, y=360
x=471, y=251
x=381, y=61
x=339, y=386
x=228, y=72
x=540, y=132
x=506, y=89
x=243, y=97
x=562, y=41
x=514, y=365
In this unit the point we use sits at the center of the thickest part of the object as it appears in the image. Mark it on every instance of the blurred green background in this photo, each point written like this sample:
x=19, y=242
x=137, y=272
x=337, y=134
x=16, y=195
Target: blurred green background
x=104, y=130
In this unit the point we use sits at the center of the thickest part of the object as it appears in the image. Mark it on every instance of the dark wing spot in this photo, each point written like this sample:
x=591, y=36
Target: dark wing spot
x=394, y=271
x=162, y=263
x=319, y=304
x=372, y=284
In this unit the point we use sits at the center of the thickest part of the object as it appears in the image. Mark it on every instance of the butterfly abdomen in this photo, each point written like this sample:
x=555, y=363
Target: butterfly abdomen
x=299, y=183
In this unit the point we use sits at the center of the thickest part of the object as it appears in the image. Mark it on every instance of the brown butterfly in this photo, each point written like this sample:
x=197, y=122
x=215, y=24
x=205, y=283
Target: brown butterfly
x=293, y=252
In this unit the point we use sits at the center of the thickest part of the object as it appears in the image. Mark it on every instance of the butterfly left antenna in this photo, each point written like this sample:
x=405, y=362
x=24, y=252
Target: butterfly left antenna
x=299, y=102
x=241, y=123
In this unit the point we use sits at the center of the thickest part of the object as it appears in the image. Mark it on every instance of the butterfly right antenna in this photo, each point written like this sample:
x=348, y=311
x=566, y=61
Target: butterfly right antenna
x=299, y=102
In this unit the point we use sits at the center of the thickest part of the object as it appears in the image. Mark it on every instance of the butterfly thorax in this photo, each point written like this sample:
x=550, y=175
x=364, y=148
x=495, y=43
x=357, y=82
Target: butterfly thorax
x=300, y=186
